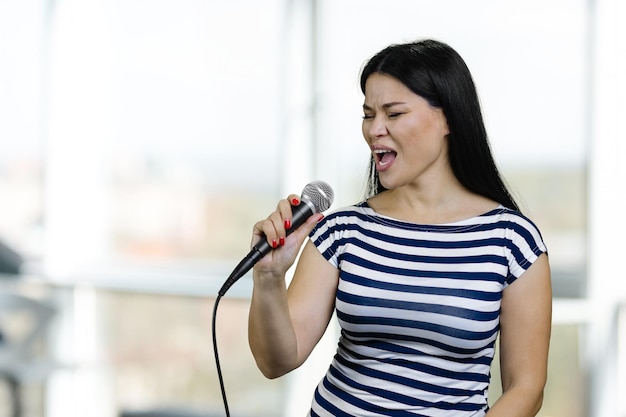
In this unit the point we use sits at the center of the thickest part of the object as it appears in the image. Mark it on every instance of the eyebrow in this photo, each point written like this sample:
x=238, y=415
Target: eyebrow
x=386, y=105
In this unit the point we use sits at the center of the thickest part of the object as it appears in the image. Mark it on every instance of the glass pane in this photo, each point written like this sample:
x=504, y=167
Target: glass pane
x=160, y=352
x=21, y=96
x=170, y=112
x=196, y=158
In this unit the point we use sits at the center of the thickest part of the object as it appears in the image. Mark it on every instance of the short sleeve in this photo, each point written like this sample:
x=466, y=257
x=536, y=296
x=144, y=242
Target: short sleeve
x=524, y=245
x=327, y=237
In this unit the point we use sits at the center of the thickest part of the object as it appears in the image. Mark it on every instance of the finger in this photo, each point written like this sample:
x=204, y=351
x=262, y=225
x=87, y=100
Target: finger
x=275, y=231
x=258, y=231
x=297, y=237
x=310, y=223
x=294, y=199
x=285, y=209
x=275, y=227
x=265, y=230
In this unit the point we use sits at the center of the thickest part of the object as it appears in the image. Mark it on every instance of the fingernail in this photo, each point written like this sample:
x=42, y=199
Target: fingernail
x=287, y=223
x=281, y=241
x=321, y=218
x=295, y=201
x=274, y=243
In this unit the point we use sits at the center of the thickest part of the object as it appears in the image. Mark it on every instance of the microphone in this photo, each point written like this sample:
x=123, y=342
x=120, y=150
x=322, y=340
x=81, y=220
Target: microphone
x=317, y=196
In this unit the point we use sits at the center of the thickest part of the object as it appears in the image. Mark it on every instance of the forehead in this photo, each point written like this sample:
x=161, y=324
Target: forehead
x=381, y=89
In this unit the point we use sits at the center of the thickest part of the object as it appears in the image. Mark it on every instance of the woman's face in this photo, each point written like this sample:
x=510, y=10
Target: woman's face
x=407, y=136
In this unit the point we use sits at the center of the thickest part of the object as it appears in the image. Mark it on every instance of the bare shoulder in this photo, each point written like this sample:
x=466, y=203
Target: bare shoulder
x=475, y=205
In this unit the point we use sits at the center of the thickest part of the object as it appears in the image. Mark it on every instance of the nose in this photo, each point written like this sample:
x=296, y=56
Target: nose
x=376, y=127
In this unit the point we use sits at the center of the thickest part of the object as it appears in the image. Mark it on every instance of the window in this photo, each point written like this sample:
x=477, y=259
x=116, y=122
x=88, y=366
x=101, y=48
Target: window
x=166, y=133
x=21, y=149
x=146, y=138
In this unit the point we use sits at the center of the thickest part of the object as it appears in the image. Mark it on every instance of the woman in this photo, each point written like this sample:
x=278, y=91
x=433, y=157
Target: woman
x=424, y=273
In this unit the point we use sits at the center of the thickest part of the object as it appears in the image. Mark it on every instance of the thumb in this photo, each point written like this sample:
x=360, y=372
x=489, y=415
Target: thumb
x=310, y=223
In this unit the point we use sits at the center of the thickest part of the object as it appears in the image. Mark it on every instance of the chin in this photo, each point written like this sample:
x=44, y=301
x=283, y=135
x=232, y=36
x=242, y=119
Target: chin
x=393, y=183
x=387, y=184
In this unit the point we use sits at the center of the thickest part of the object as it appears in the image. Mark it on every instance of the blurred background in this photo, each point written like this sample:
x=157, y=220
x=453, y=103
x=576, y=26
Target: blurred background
x=140, y=140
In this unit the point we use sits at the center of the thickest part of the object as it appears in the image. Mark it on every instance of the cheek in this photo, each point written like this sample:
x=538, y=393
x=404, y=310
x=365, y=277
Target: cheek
x=427, y=145
x=427, y=132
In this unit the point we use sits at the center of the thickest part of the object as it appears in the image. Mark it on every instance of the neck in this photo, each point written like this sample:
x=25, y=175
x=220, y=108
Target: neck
x=437, y=203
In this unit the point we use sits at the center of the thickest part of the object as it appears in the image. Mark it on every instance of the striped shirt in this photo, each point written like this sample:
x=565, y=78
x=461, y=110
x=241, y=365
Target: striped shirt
x=418, y=307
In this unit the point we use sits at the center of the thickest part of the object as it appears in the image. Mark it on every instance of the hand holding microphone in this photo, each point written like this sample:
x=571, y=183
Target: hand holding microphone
x=316, y=197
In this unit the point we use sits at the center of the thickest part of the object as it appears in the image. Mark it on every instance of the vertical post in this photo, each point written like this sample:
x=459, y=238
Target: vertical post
x=607, y=201
x=77, y=137
x=300, y=145
x=297, y=96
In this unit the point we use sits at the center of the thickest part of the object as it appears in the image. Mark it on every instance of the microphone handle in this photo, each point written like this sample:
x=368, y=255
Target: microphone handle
x=299, y=214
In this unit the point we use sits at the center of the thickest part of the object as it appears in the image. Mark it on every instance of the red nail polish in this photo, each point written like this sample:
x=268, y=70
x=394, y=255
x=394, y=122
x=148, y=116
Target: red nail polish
x=274, y=243
x=287, y=223
x=295, y=201
x=281, y=241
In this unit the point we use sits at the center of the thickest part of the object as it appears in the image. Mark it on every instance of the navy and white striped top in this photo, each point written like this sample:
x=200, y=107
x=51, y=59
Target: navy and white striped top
x=418, y=307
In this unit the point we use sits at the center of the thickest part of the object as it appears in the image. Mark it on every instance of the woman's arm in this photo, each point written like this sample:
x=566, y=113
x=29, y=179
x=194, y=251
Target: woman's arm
x=284, y=325
x=525, y=324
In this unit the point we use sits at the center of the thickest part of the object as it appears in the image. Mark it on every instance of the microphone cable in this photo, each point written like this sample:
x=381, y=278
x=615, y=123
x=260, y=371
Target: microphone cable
x=217, y=357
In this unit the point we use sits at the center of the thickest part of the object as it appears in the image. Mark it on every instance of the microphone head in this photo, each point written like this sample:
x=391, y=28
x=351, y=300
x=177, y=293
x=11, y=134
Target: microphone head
x=320, y=194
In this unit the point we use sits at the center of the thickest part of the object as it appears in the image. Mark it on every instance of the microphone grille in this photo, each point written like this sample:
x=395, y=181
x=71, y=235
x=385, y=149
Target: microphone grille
x=320, y=194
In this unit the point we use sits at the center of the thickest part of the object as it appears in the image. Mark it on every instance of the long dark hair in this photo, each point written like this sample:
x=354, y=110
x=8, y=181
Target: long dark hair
x=437, y=73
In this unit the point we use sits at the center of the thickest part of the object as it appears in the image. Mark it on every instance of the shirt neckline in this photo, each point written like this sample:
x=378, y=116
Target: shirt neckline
x=458, y=225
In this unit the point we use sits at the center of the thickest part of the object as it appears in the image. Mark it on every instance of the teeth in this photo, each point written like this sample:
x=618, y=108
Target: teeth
x=379, y=153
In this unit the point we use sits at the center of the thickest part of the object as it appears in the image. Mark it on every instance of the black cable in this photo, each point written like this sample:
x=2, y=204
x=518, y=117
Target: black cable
x=217, y=358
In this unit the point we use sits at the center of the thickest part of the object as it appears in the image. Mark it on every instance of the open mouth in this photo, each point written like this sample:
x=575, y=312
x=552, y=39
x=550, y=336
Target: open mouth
x=384, y=157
